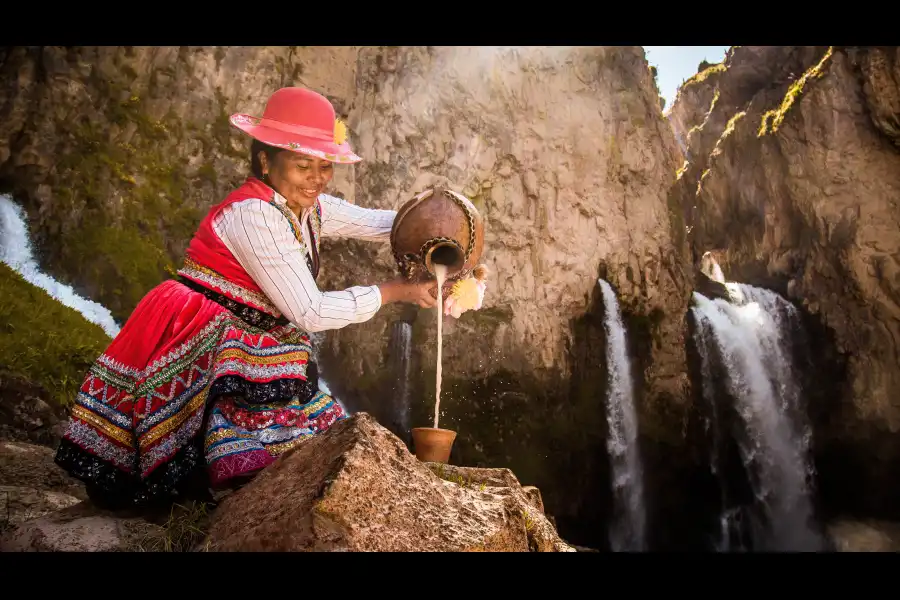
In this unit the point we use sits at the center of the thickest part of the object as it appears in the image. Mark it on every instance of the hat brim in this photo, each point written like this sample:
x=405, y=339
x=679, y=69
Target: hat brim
x=330, y=151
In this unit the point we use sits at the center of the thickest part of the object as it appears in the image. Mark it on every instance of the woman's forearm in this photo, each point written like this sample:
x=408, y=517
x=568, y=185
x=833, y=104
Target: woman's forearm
x=347, y=220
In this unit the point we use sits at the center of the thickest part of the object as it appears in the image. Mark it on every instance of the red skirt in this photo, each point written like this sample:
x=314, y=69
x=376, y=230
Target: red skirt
x=187, y=382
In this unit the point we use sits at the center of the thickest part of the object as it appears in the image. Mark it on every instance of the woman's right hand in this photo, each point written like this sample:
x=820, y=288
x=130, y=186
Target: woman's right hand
x=401, y=290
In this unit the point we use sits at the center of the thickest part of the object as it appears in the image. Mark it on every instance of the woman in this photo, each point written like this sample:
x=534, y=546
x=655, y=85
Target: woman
x=214, y=366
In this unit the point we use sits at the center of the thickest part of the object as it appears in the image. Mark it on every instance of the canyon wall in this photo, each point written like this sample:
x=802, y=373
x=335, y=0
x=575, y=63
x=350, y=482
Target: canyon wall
x=793, y=184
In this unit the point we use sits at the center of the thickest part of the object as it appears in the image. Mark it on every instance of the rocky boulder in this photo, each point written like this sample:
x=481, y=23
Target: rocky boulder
x=357, y=488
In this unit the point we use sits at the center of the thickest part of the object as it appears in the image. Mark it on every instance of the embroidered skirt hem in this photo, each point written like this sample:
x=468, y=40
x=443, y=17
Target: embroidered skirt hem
x=186, y=382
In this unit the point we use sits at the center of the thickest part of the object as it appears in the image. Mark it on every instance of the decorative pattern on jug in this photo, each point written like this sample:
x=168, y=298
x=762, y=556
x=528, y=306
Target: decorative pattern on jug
x=420, y=230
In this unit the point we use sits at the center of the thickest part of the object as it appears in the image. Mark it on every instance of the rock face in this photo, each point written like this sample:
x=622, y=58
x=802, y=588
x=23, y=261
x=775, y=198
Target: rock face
x=117, y=152
x=800, y=193
x=357, y=488
x=565, y=153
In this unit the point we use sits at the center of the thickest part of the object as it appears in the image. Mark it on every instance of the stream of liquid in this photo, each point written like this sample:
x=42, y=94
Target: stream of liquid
x=440, y=271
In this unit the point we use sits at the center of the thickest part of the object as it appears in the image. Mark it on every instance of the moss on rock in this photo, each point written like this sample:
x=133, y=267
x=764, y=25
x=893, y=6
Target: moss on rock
x=130, y=204
x=44, y=341
x=773, y=119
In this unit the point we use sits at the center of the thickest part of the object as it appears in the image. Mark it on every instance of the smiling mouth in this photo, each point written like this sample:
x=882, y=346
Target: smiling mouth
x=311, y=192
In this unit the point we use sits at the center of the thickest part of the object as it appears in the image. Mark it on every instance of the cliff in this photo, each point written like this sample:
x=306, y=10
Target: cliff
x=793, y=185
x=117, y=152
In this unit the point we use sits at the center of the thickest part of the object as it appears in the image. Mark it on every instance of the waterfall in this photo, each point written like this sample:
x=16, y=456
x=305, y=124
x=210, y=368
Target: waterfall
x=627, y=527
x=400, y=353
x=751, y=342
x=16, y=251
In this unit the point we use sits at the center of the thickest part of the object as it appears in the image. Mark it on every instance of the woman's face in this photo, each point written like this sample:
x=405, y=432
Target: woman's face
x=298, y=177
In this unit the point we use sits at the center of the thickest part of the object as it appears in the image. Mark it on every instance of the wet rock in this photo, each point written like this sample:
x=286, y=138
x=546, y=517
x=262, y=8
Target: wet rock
x=848, y=535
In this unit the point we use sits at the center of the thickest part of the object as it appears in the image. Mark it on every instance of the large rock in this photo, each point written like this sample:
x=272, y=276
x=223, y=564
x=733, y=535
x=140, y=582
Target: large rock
x=19, y=504
x=357, y=488
x=797, y=189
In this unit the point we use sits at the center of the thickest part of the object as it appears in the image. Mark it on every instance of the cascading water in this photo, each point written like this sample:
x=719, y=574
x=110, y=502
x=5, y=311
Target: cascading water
x=16, y=251
x=751, y=342
x=627, y=526
x=400, y=359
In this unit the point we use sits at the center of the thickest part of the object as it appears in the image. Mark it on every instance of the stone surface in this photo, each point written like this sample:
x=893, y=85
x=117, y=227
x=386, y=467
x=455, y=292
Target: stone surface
x=31, y=466
x=794, y=182
x=19, y=504
x=79, y=528
x=31, y=485
x=25, y=415
x=848, y=535
x=358, y=488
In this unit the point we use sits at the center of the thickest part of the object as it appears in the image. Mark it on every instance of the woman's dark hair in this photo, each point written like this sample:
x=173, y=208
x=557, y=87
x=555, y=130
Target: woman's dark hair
x=255, y=148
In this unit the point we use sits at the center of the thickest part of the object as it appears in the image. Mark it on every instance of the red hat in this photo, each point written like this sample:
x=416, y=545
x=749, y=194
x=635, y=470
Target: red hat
x=300, y=120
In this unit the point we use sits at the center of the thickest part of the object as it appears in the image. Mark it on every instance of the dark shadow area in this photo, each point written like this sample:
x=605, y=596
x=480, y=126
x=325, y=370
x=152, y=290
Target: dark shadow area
x=856, y=462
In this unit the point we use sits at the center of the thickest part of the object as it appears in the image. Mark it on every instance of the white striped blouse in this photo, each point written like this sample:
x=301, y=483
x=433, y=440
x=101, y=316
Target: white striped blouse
x=255, y=233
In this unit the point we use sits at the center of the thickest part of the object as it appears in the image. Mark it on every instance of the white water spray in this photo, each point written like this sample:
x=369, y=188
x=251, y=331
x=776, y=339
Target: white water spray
x=752, y=340
x=16, y=251
x=627, y=527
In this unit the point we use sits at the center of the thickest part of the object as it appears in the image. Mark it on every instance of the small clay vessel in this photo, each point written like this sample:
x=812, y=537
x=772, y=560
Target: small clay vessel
x=438, y=226
x=433, y=445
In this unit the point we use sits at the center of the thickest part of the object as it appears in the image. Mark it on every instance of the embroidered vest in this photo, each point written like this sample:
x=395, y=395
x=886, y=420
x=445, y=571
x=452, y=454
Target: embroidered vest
x=209, y=264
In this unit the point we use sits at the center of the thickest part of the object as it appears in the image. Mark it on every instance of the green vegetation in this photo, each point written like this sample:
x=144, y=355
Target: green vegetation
x=182, y=532
x=712, y=106
x=732, y=123
x=773, y=119
x=127, y=205
x=705, y=74
x=43, y=341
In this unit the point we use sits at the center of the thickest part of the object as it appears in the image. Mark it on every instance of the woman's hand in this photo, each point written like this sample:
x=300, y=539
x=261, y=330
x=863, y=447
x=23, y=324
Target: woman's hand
x=400, y=290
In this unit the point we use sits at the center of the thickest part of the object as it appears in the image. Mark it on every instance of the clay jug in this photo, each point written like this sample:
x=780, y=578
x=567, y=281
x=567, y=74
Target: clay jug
x=438, y=226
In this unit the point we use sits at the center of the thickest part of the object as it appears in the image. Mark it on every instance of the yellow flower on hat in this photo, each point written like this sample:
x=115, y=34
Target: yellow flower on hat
x=340, y=132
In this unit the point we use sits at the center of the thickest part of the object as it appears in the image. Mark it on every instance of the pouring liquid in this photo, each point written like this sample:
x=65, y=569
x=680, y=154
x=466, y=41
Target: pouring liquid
x=440, y=271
